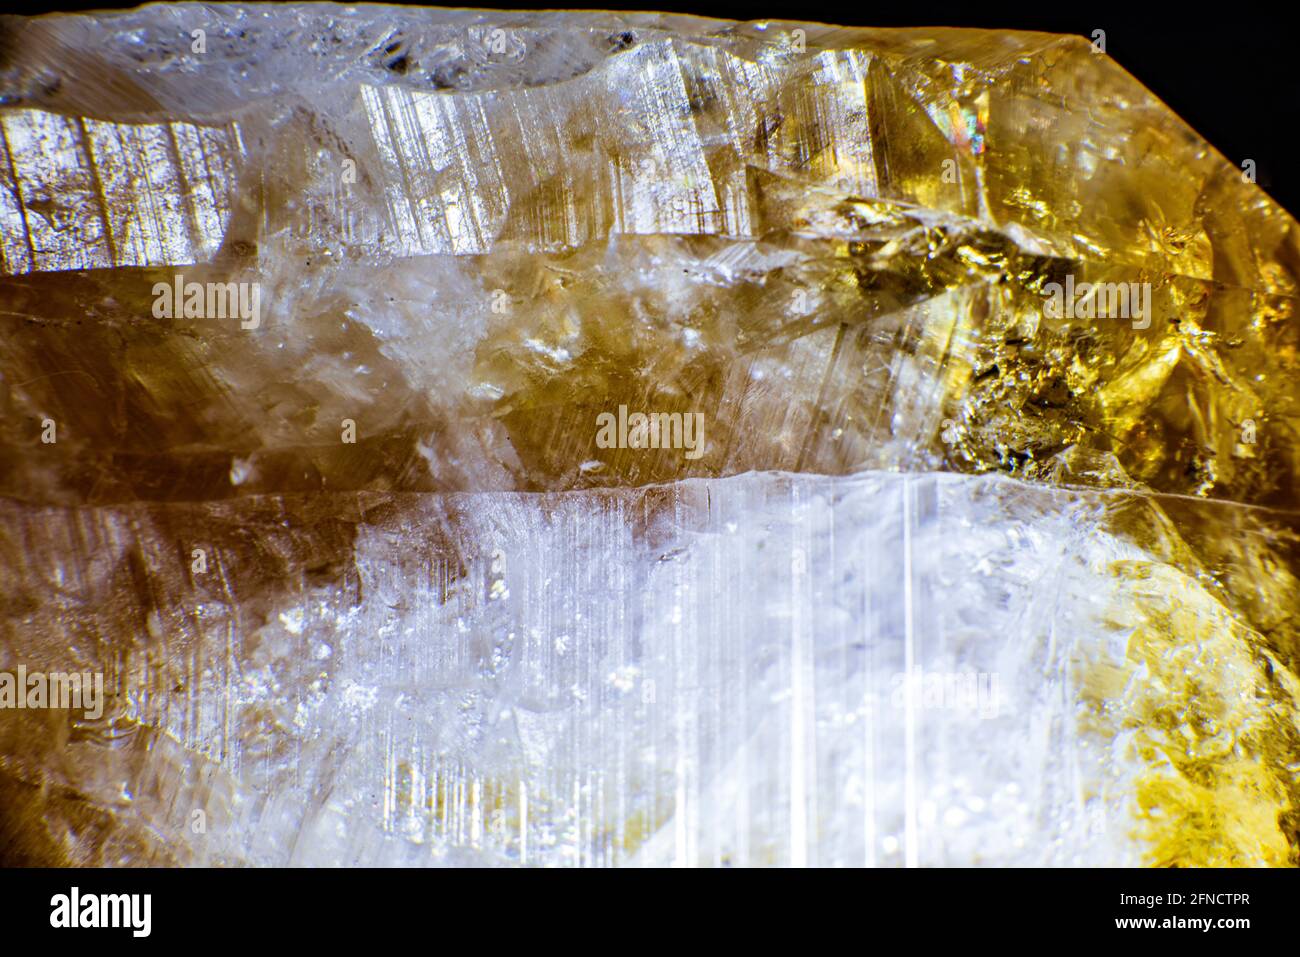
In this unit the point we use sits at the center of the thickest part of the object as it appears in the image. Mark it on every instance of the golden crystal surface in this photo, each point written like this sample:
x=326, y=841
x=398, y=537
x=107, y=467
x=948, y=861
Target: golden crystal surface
x=311, y=328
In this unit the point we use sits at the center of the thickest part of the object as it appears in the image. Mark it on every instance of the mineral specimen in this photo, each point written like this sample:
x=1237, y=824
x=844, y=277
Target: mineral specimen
x=589, y=439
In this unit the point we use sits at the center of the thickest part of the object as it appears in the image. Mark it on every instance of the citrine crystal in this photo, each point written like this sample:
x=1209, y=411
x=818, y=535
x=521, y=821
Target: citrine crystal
x=947, y=512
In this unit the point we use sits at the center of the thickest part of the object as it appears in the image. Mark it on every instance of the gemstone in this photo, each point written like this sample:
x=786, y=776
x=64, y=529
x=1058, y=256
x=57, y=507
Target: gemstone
x=463, y=437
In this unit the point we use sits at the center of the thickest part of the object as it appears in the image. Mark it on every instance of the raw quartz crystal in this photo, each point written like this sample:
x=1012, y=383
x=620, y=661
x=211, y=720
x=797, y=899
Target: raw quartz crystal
x=955, y=578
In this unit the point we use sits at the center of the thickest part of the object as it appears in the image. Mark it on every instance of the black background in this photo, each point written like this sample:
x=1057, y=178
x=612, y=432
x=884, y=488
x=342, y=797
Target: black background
x=668, y=912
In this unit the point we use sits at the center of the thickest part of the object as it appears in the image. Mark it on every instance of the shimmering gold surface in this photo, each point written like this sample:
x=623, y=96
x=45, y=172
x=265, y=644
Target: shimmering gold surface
x=838, y=250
